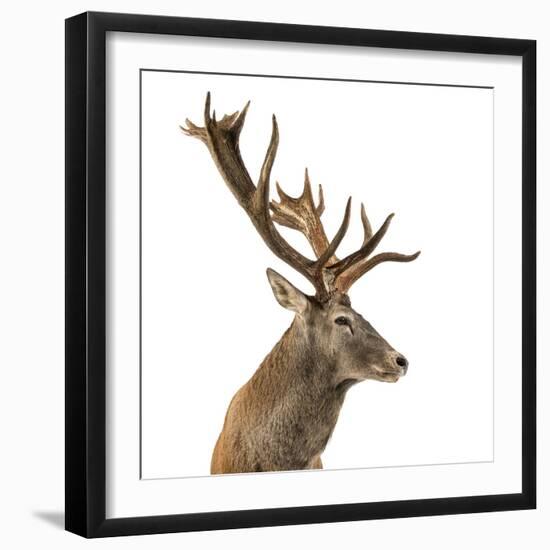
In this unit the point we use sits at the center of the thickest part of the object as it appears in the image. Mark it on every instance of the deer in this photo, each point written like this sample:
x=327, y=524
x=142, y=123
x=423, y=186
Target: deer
x=284, y=416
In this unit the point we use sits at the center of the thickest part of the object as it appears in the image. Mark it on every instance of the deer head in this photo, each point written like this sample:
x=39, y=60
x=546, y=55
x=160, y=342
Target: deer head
x=336, y=333
x=339, y=337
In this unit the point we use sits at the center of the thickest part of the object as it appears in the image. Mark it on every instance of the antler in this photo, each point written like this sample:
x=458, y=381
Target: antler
x=327, y=274
x=302, y=215
x=222, y=139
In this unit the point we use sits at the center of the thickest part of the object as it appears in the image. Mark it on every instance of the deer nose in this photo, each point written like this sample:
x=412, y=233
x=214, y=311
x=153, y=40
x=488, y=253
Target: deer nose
x=402, y=362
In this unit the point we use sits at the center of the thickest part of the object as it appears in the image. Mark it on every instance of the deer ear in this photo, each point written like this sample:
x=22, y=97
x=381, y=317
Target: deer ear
x=286, y=293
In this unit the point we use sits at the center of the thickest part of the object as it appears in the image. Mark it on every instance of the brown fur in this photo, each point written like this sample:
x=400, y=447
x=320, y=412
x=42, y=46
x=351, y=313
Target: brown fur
x=283, y=417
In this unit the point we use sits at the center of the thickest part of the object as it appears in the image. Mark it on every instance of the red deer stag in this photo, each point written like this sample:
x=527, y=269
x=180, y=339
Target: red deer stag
x=283, y=417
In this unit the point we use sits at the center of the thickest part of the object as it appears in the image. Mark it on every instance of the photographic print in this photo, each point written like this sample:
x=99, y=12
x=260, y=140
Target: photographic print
x=300, y=274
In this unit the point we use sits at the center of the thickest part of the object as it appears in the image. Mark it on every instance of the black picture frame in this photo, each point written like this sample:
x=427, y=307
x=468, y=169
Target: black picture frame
x=86, y=285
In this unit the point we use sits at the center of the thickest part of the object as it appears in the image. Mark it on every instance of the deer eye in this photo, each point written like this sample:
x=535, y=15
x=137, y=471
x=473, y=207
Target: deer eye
x=342, y=321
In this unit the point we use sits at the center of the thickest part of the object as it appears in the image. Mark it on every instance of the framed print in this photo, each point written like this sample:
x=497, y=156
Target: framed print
x=300, y=274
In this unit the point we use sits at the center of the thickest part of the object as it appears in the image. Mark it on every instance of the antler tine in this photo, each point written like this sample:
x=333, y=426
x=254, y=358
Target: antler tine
x=307, y=193
x=335, y=243
x=346, y=280
x=207, y=108
x=321, y=206
x=239, y=120
x=262, y=191
x=264, y=222
x=367, y=228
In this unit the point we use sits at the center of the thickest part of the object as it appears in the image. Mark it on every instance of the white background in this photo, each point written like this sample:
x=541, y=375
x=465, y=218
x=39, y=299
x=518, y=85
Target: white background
x=31, y=221
x=208, y=313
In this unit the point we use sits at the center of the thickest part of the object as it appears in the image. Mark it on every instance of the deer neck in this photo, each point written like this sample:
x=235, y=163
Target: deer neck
x=299, y=402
